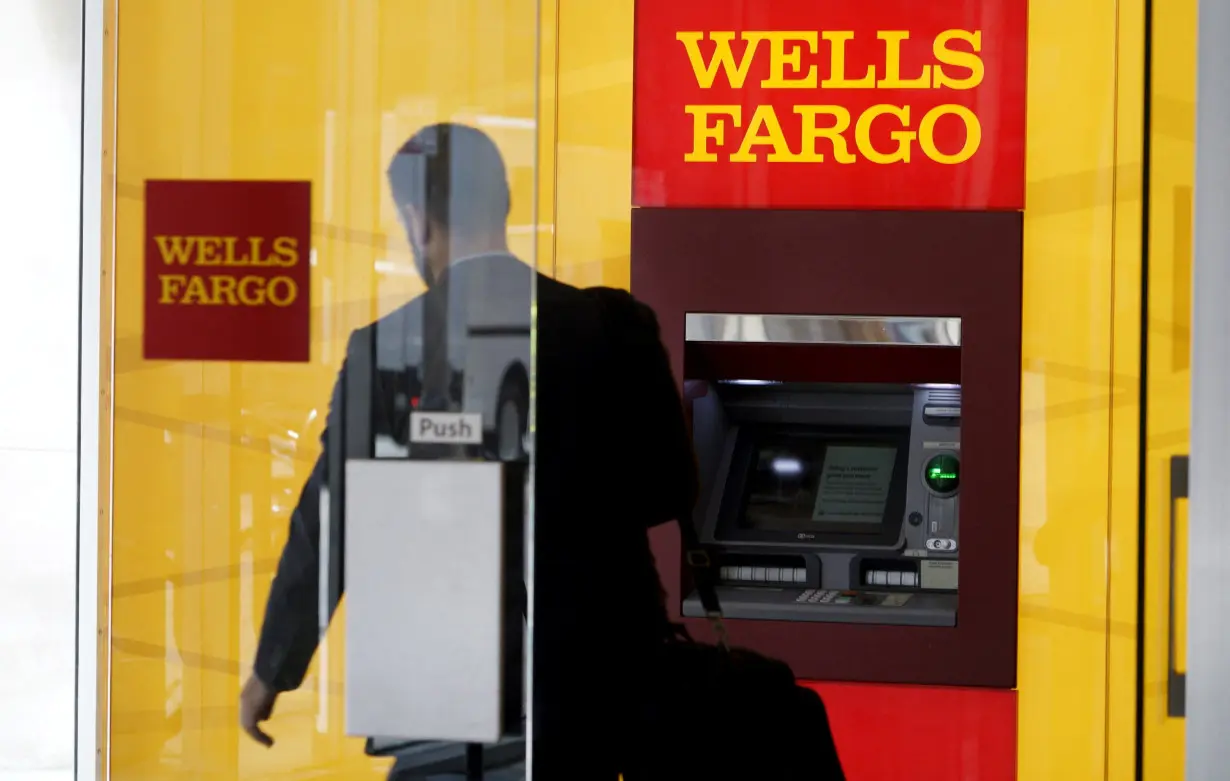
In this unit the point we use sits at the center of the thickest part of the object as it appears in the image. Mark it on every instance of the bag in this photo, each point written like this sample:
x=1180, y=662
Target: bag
x=713, y=712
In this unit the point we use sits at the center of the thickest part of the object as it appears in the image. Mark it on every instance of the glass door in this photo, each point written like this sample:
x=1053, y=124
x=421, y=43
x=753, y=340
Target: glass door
x=1166, y=387
x=289, y=177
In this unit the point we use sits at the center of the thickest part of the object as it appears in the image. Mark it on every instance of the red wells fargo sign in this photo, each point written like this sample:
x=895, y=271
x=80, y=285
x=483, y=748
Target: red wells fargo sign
x=227, y=271
x=840, y=104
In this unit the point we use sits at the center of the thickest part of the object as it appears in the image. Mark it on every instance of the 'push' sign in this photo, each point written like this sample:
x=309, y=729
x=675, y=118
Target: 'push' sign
x=446, y=428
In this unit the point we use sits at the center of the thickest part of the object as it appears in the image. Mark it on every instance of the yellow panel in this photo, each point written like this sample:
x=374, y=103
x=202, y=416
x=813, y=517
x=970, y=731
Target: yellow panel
x=1068, y=389
x=209, y=458
x=594, y=134
x=1168, y=376
x=1125, y=398
x=1180, y=586
x=547, y=107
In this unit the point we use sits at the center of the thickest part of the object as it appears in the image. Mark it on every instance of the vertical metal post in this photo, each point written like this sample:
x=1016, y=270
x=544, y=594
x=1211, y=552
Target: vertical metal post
x=1208, y=655
x=91, y=420
x=474, y=762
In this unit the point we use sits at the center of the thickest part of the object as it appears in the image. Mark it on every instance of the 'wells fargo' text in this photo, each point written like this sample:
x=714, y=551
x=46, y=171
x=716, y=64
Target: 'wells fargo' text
x=227, y=288
x=955, y=64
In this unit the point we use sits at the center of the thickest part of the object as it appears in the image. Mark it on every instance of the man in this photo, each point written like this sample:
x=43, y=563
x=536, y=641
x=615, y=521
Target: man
x=613, y=458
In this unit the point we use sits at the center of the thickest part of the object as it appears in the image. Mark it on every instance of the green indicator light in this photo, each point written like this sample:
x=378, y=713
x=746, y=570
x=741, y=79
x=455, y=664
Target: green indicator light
x=943, y=474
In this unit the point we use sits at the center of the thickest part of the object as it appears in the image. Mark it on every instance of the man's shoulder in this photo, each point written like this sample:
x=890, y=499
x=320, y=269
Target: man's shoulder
x=606, y=316
x=598, y=297
x=623, y=310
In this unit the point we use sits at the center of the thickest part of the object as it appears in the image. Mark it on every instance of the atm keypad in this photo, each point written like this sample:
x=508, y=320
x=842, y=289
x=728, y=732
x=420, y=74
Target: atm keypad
x=816, y=596
x=836, y=597
x=824, y=596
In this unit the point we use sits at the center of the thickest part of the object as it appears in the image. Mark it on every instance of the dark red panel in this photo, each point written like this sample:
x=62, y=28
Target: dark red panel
x=923, y=733
x=227, y=271
x=948, y=264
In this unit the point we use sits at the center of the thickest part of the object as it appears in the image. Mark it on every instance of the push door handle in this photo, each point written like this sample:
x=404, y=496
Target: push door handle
x=1176, y=682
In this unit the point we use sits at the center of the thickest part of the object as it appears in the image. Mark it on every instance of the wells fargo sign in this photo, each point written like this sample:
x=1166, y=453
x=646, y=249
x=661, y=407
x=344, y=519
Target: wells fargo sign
x=860, y=104
x=227, y=271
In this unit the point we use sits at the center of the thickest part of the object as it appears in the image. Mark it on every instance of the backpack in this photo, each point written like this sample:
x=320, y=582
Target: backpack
x=708, y=712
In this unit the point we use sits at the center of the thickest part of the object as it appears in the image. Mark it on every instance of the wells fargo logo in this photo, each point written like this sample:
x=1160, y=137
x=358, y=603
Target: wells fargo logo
x=835, y=104
x=227, y=270
x=792, y=65
x=232, y=258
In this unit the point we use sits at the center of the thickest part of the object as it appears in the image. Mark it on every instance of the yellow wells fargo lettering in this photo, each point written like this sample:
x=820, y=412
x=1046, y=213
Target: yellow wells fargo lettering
x=952, y=68
x=223, y=288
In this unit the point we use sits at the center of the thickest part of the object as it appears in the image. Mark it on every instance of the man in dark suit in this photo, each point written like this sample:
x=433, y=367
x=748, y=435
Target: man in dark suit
x=613, y=456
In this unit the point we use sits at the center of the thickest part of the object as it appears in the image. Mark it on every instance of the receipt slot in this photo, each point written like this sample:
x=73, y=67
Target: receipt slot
x=855, y=387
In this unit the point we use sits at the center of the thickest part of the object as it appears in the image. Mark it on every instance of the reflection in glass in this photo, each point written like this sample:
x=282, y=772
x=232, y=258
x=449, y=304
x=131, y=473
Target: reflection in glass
x=211, y=459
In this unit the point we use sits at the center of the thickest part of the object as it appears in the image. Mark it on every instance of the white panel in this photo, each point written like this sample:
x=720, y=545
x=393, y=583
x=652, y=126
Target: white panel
x=40, y=142
x=40, y=206
x=37, y=622
x=1208, y=629
x=424, y=561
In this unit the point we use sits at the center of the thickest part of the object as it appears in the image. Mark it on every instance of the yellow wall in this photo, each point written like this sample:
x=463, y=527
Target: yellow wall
x=1079, y=380
x=208, y=458
x=593, y=125
x=1123, y=397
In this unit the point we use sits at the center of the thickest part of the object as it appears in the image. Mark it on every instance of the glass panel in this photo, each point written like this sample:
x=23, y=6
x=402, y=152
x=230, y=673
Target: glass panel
x=284, y=183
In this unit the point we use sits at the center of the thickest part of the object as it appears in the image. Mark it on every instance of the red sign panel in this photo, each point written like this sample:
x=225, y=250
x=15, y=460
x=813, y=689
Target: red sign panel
x=227, y=271
x=833, y=104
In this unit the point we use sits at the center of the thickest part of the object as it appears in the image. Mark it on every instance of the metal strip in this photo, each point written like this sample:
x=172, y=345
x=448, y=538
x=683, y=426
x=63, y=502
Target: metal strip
x=528, y=530
x=86, y=764
x=1208, y=615
x=823, y=329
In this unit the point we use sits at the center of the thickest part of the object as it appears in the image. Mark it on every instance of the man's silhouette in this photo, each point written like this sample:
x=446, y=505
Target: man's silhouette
x=612, y=457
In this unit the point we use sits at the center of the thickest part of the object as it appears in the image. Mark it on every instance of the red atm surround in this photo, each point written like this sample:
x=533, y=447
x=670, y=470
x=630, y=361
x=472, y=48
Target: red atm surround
x=924, y=264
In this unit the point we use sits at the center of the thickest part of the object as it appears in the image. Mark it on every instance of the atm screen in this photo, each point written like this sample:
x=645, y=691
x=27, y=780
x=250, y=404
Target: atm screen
x=822, y=483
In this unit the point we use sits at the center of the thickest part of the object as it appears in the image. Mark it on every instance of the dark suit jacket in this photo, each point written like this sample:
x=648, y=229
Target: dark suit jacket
x=613, y=458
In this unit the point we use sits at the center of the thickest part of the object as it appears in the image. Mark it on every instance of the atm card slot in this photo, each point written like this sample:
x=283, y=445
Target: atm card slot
x=890, y=578
x=888, y=574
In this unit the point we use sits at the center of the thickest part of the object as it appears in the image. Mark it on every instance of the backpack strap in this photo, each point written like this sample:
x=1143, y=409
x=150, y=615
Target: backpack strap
x=704, y=576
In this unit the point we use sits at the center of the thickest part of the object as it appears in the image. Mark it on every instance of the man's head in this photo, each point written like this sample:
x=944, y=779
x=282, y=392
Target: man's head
x=451, y=191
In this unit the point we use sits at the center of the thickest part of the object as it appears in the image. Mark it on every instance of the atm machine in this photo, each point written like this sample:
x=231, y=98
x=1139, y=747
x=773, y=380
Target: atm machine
x=832, y=503
x=854, y=385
